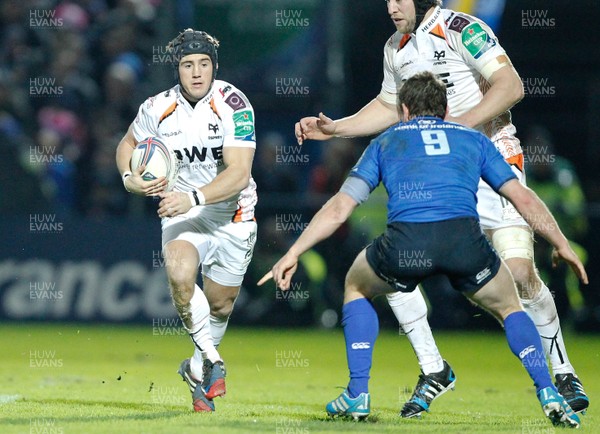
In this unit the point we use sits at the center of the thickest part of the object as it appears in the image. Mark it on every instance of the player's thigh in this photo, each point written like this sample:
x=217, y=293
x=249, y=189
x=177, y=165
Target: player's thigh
x=361, y=280
x=229, y=253
x=499, y=295
x=184, y=246
x=225, y=264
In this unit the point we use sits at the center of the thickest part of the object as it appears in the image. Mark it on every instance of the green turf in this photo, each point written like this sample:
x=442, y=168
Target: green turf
x=102, y=379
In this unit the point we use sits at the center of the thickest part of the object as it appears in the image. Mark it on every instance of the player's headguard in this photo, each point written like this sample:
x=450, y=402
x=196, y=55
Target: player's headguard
x=192, y=41
x=422, y=6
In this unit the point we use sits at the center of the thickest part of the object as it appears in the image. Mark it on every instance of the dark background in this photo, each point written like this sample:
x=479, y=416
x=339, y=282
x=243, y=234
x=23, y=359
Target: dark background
x=104, y=58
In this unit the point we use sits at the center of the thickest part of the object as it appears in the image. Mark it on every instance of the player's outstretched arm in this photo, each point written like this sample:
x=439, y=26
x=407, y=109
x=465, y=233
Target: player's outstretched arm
x=536, y=213
x=325, y=222
x=134, y=183
x=372, y=118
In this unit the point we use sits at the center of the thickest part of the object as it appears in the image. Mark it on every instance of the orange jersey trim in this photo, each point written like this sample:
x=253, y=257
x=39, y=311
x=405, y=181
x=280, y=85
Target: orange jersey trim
x=237, y=217
x=214, y=107
x=168, y=112
x=517, y=160
x=438, y=31
x=403, y=41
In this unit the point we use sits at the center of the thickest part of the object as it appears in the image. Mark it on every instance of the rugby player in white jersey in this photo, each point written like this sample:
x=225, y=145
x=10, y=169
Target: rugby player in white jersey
x=208, y=217
x=482, y=86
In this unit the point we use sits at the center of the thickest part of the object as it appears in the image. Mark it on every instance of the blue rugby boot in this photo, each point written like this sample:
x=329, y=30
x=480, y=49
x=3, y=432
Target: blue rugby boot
x=556, y=408
x=343, y=405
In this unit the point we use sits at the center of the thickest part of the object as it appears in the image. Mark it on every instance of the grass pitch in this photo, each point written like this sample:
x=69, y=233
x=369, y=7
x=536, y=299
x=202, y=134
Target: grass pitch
x=122, y=379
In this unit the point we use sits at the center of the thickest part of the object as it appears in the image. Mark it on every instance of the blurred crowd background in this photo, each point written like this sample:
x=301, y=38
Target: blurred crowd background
x=73, y=73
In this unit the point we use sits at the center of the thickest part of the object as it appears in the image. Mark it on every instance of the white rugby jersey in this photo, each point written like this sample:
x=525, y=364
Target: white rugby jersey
x=456, y=47
x=224, y=117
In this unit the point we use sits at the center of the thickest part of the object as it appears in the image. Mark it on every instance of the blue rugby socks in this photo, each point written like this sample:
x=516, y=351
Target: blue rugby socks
x=361, y=327
x=525, y=343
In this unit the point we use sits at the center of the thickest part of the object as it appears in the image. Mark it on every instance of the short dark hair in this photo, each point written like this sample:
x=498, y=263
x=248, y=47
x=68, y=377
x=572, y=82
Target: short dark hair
x=424, y=95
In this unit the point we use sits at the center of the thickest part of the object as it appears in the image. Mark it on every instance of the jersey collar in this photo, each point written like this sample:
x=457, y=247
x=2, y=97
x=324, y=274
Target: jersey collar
x=185, y=103
x=429, y=24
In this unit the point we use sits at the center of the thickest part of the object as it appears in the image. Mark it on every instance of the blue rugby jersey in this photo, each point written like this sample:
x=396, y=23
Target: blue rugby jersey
x=431, y=168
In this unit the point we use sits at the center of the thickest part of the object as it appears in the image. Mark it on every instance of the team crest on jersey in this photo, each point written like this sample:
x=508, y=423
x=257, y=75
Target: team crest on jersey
x=476, y=40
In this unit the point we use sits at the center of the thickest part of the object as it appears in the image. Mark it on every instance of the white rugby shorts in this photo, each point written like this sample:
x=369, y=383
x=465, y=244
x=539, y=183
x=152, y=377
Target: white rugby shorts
x=225, y=248
x=495, y=211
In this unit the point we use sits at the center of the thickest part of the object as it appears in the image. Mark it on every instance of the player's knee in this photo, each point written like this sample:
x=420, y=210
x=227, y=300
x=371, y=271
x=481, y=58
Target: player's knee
x=515, y=246
x=221, y=309
x=182, y=287
x=526, y=278
x=521, y=271
x=352, y=287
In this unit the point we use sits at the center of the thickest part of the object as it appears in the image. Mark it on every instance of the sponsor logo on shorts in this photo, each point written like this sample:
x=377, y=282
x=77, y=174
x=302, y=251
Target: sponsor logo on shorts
x=483, y=274
x=360, y=345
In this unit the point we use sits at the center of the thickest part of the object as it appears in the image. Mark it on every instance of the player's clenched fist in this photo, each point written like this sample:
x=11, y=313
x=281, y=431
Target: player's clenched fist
x=314, y=128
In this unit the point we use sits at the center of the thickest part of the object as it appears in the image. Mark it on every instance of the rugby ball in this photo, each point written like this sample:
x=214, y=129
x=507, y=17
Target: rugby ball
x=159, y=160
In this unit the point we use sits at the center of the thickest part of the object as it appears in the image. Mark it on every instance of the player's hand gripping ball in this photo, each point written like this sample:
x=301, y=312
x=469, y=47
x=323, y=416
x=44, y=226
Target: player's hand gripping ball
x=158, y=159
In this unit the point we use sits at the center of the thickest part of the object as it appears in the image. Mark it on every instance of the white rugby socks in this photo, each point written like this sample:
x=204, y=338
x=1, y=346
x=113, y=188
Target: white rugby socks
x=200, y=333
x=542, y=311
x=217, y=329
x=410, y=310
